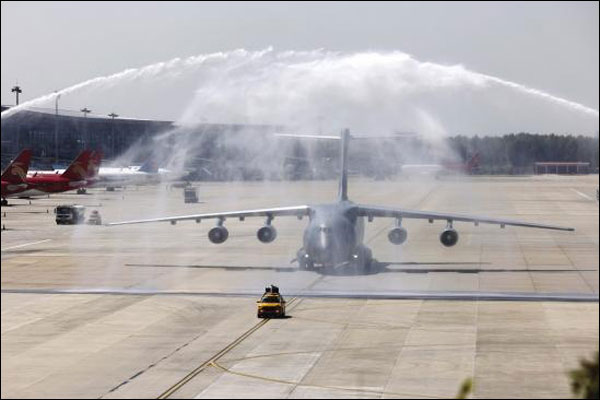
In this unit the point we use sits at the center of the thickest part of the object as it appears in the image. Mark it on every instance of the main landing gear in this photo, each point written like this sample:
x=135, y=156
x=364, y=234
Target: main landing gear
x=361, y=261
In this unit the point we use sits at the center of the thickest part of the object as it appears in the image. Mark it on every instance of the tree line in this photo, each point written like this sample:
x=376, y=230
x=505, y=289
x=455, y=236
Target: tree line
x=516, y=153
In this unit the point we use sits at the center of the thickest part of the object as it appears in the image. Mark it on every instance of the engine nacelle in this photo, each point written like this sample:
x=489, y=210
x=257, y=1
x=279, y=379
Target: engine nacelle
x=397, y=235
x=218, y=234
x=449, y=237
x=266, y=234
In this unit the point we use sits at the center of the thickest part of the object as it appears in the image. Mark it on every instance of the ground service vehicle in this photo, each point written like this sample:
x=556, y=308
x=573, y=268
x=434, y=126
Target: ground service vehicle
x=69, y=214
x=271, y=304
x=95, y=218
x=190, y=195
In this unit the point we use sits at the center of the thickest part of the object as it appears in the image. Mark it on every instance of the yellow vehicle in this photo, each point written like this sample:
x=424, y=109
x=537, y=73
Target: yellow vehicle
x=271, y=304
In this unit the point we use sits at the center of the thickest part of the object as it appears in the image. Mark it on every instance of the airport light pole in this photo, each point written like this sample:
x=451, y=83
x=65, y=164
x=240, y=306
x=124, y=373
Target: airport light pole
x=17, y=90
x=56, y=127
x=112, y=131
x=85, y=112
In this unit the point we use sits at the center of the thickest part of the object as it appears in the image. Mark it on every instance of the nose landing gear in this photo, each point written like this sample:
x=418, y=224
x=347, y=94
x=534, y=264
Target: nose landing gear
x=361, y=262
x=304, y=261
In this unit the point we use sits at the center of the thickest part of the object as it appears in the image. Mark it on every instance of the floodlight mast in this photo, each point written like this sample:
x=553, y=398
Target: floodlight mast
x=56, y=127
x=113, y=115
x=85, y=112
x=16, y=90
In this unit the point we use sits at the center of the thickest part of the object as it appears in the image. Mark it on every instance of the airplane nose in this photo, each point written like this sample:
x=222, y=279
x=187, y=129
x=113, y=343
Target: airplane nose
x=322, y=255
x=320, y=248
x=323, y=241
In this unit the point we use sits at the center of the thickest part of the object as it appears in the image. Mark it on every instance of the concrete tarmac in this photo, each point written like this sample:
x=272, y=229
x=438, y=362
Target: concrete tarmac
x=122, y=335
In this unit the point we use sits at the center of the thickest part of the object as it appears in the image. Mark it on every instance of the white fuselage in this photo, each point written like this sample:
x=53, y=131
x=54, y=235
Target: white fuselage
x=119, y=176
x=421, y=169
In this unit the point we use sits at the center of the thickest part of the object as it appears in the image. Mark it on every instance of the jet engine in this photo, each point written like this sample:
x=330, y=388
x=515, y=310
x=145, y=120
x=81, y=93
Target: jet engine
x=266, y=234
x=449, y=237
x=218, y=234
x=397, y=235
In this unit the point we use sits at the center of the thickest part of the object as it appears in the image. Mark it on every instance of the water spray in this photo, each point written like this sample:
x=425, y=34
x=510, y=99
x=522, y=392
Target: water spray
x=399, y=69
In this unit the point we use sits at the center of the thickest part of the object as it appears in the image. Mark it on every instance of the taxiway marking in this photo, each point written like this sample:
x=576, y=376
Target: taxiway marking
x=26, y=244
x=174, y=388
x=367, y=390
x=585, y=196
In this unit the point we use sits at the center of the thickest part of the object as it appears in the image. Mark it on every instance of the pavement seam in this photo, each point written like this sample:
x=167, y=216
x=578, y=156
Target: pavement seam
x=191, y=375
x=297, y=384
x=412, y=327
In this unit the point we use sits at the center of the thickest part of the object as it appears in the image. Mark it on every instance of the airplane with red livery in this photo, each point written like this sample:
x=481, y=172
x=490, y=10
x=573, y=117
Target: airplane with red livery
x=79, y=175
x=15, y=175
x=464, y=168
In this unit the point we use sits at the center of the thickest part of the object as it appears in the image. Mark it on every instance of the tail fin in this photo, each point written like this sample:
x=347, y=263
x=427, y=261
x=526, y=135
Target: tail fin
x=94, y=165
x=473, y=162
x=78, y=170
x=343, y=188
x=344, y=140
x=150, y=165
x=16, y=172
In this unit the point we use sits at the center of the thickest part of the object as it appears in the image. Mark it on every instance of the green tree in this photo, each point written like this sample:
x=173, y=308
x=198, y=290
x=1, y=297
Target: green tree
x=584, y=380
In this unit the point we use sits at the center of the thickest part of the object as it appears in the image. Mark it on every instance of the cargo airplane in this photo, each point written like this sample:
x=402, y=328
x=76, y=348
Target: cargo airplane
x=335, y=233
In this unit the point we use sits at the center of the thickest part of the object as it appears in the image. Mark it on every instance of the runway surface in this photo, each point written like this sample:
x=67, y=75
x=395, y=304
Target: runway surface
x=512, y=308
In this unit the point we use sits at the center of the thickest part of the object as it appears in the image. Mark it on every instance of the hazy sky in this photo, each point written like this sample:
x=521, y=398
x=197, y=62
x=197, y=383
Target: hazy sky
x=548, y=46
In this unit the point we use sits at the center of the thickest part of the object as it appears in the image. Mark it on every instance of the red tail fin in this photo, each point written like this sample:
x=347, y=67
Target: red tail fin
x=78, y=170
x=473, y=162
x=94, y=165
x=16, y=172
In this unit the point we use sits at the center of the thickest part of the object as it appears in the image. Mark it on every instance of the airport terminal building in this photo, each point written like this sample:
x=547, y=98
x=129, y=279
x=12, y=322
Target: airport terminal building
x=219, y=151
x=249, y=152
x=57, y=136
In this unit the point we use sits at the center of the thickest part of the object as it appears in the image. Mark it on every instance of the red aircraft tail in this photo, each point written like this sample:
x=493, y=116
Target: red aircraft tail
x=78, y=170
x=473, y=162
x=16, y=172
x=94, y=165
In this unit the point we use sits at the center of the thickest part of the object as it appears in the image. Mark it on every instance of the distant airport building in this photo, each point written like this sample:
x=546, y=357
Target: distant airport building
x=212, y=151
x=57, y=138
x=66, y=133
x=563, y=168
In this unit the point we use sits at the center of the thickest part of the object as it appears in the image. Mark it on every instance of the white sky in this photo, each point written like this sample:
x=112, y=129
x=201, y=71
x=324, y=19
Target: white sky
x=46, y=46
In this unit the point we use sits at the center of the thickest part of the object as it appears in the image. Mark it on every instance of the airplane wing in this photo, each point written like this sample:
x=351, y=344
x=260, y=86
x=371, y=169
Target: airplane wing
x=298, y=211
x=376, y=211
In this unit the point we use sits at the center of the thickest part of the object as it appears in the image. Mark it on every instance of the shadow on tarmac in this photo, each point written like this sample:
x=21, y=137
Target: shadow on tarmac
x=377, y=268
